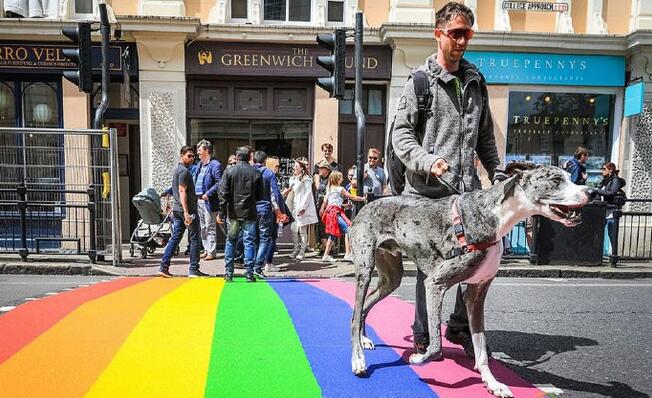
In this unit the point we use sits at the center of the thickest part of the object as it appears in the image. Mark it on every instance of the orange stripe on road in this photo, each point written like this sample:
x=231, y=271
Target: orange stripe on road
x=67, y=359
x=26, y=322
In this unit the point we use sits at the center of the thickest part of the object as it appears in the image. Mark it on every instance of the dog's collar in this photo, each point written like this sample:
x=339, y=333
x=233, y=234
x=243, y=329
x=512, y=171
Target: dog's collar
x=458, y=230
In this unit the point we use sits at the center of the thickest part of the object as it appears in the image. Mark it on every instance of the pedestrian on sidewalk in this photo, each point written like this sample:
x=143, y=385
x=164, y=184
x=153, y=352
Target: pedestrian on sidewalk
x=375, y=180
x=266, y=217
x=241, y=188
x=329, y=159
x=184, y=215
x=301, y=203
x=272, y=163
x=439, y=156
x=577, y=165
x=611, y=190
x=208, y=176
x=336, y=222
x=324, y=170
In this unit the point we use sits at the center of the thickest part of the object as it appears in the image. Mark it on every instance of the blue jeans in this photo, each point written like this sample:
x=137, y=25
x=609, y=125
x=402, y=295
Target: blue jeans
x=269, y=257
x=343, y=227
x=265, y=228
x=178, y=228
x=248, y=228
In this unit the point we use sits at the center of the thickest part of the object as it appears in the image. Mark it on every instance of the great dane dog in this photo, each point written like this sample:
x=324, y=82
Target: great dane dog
x=452, y=239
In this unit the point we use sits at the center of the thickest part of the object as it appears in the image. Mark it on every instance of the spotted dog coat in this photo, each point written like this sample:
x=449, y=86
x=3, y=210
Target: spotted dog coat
x=421, y=229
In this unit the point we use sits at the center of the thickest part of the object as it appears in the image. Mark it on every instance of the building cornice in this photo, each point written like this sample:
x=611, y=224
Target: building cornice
x=273, y=33
x=638, y=40
x=131, y=23
x=422, y=34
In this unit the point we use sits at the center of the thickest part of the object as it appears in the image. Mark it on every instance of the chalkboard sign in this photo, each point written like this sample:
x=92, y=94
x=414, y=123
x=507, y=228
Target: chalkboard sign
x=285, y=171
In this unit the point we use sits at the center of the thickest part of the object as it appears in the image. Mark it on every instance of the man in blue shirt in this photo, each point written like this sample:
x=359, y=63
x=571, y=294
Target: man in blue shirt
x=375, y=181
x=266, y=216
x=208, y=176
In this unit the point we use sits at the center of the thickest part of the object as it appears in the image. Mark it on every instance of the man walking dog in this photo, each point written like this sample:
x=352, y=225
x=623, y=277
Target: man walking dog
x=439, y=158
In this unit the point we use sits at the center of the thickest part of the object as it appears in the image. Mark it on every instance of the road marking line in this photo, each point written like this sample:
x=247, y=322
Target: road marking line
x=51, y=293
x=549, y=389
x=573, y=284
x=7, y=308
x=30, y=299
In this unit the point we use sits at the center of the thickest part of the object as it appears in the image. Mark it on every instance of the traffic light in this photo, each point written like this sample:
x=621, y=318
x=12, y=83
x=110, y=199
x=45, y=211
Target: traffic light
x=81, y=36
x=334, y=63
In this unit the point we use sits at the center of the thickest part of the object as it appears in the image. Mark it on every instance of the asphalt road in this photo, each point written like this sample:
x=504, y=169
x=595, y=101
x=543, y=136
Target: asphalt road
x=583, y=338
x=586, y=337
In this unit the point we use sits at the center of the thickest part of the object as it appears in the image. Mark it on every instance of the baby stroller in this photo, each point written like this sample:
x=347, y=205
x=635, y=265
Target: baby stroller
x=153, y=229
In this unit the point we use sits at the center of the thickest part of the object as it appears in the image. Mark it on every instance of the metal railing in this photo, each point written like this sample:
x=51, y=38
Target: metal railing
x=52, y=164
x=52, y=227
x=631, y=234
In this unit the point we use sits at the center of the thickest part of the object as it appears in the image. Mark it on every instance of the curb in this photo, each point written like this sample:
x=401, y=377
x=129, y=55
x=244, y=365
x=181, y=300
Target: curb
x=548, y=273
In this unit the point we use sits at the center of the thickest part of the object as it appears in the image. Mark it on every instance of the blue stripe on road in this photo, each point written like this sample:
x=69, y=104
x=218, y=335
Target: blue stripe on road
x=323, y=323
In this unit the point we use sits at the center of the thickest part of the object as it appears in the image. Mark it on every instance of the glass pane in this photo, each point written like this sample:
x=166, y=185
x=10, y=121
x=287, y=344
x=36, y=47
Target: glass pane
x=8, y=141
x=300, y=10
x=119, y=97
x=225, y=135
x=375, y=102
x=238, y=8
x=84, y=6
x=285, y=140
x=40, y=105
x=335, y=11
x=250, y=99
x=290, y=100
x=346, y=104
x=548, y=127
x=275, y=10
x=213, y=99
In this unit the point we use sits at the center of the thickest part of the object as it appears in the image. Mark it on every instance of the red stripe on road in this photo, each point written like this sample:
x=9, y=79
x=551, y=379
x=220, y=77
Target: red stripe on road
x=453, y=377
x=26, y=322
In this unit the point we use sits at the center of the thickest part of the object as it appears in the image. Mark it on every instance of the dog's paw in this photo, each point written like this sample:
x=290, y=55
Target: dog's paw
x=359, y=367
x=367, y=344
x=499, y=390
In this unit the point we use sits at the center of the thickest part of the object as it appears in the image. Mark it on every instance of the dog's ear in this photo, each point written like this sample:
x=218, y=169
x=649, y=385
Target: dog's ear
x=514, y=168
x=510, y=185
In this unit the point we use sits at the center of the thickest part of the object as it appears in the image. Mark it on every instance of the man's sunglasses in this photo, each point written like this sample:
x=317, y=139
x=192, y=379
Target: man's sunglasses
x=457, y=34
x=373, y=157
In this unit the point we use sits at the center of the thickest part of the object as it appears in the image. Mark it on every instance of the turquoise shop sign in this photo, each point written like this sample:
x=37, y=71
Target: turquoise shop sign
x=550, y=69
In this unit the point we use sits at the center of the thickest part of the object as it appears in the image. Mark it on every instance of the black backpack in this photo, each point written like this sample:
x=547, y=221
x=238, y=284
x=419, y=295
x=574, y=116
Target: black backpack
x=396, y=168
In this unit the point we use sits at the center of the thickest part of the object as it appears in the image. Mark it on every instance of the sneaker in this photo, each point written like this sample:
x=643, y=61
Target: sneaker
x=294, y=254
x=271, y=268
x=421, y=343
x=197, y=274
x=259, y=273
x=300, y=256
x=228, y=278
x=348, y=257
x=250, y=277
x=209, y=257
x=165, y=273
x=463, y=338
x=327, y=259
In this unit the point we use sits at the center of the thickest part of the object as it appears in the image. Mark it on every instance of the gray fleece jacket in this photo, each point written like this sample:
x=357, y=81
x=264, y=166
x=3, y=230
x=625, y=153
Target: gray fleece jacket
x=452, y=131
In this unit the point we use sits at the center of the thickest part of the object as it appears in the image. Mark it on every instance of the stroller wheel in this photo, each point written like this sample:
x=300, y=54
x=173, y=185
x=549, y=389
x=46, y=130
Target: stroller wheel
x=151, y=250
x=131, y=250
x=143, y=252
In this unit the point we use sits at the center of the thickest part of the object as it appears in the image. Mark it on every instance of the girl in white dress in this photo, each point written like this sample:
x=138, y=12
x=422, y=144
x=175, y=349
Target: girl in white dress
x=302, y=205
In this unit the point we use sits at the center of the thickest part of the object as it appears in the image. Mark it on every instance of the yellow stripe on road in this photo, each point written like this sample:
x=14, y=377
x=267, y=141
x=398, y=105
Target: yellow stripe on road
x=167, y=354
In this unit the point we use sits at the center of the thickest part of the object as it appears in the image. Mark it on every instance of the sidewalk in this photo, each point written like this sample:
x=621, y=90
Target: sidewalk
x=310, y=267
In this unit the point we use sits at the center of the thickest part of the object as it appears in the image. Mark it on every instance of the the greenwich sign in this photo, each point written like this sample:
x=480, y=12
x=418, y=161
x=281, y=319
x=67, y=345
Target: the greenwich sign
x=40, y=57
x=550, y=69
x=238, y=59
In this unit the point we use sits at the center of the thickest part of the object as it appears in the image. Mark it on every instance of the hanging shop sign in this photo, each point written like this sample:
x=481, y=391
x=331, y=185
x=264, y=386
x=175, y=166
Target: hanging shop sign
x=634, y=95
x=534, y=6
x=251, y=59
x=550, y=69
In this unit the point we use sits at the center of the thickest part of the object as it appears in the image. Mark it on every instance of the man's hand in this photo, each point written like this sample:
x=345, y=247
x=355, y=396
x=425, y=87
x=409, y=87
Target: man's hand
x=439, y=167
x=187, y=218
x=204, y=197
x=282, y=218
x=219, y=220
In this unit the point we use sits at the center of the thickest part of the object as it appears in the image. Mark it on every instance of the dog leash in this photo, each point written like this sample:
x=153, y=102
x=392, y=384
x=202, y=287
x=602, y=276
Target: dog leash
x=449, y=185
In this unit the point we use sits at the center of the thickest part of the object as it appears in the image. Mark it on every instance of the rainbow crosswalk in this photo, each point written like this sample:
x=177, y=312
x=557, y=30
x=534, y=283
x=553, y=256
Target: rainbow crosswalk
x=149, y=337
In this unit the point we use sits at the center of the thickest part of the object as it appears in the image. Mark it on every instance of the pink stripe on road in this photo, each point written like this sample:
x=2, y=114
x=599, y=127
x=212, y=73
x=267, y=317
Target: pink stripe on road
x=453, y=377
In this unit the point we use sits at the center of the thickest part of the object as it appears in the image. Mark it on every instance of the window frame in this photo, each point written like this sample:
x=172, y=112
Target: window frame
x=287, y=21
x=92, y=15
x=231, y=18
x=344, y=3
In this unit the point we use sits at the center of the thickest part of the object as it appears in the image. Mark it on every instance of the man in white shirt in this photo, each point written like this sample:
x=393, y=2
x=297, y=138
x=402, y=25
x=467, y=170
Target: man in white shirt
x=375, y=180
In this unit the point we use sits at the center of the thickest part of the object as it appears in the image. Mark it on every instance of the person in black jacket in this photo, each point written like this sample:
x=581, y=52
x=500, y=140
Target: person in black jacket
x=611, y=190
x=240, y=189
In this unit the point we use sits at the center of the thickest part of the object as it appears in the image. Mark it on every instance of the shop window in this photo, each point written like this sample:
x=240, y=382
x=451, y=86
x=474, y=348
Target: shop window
x=8, y=141
x=213, y=99
x=239, y=9
x=547, y=127
x=250, y=99
x=372, y=101
x=83, y=8
x=375, y=102
x=290, y=100
x=287, y=10
x=336, y=11
x=120, y=96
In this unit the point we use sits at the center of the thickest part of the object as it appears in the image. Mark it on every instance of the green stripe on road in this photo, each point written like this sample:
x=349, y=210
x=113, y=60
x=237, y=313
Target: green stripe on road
x=255, y=349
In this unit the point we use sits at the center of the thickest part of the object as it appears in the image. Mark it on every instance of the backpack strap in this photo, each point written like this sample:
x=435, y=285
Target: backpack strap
x=424, y=101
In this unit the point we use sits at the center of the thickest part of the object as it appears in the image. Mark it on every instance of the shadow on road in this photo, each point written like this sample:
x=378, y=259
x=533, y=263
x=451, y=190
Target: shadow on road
x=526, y=350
